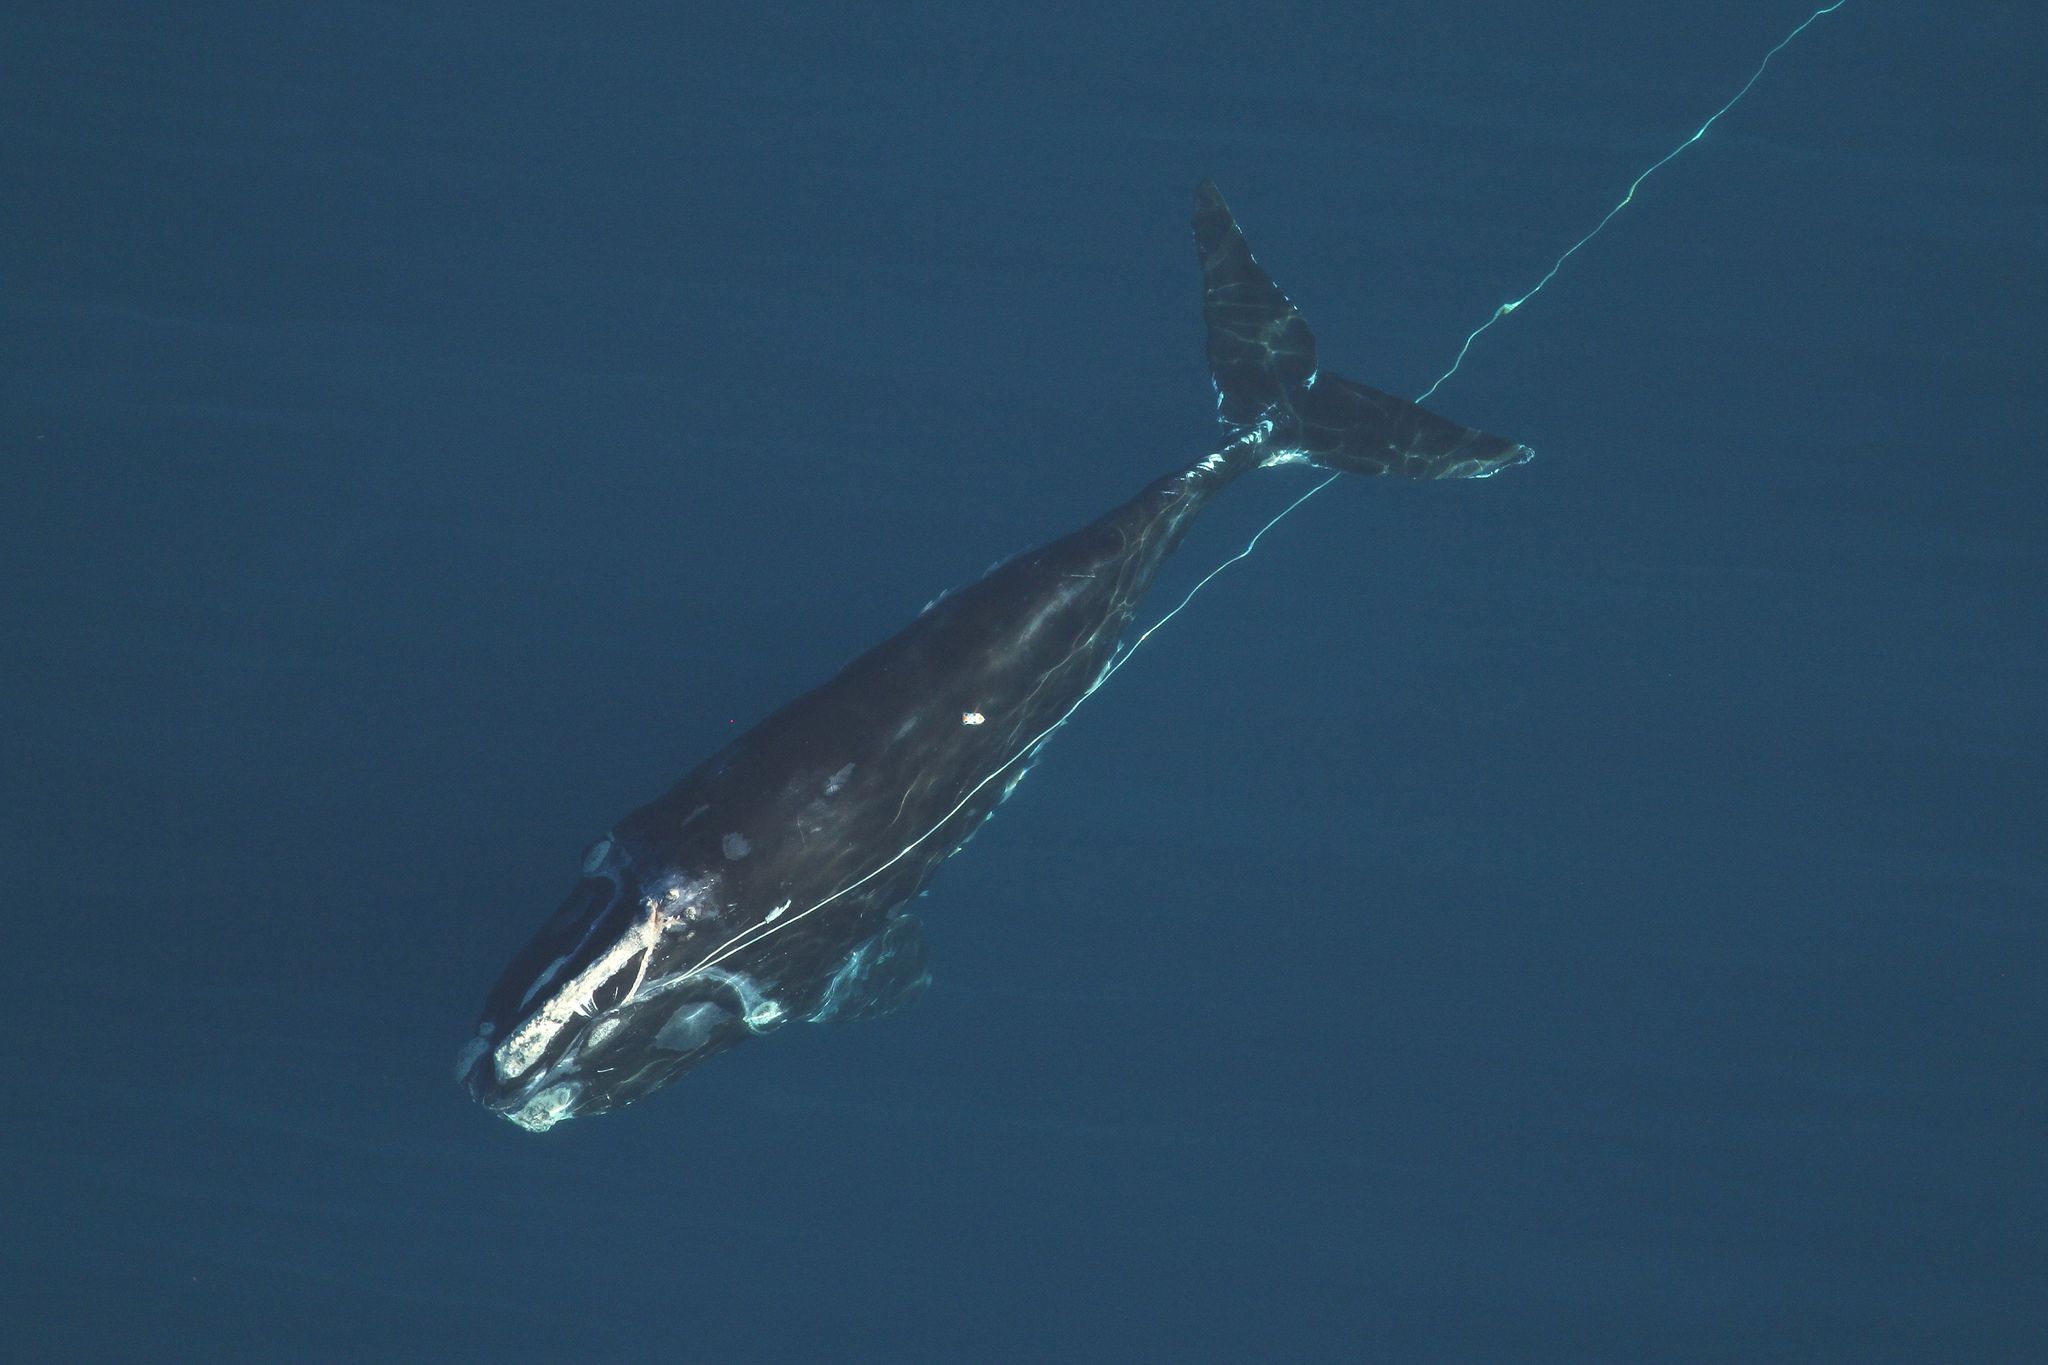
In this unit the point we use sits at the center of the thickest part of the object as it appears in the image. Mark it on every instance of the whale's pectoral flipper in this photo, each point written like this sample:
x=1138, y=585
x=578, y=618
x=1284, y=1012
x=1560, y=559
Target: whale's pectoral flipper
x=1262, y=357
x=881, y=975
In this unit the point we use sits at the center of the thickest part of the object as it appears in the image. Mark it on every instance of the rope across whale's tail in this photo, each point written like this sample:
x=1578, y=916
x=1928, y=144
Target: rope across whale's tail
x=1262, y=358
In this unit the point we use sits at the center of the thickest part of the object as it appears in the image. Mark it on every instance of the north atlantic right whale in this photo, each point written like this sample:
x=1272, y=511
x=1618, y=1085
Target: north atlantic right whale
x=770, y=884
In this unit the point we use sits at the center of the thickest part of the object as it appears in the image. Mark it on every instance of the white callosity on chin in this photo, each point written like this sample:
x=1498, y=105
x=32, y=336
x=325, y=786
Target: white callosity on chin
x=546, y=1109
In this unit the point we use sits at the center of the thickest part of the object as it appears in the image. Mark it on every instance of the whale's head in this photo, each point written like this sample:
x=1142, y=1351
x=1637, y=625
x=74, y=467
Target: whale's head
x=619, y=993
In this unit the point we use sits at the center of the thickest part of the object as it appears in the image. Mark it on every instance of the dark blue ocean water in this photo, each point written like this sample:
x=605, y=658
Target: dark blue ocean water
x=1594, y=914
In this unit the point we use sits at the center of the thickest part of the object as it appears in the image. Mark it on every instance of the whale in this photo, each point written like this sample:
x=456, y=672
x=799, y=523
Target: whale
x=774, y=883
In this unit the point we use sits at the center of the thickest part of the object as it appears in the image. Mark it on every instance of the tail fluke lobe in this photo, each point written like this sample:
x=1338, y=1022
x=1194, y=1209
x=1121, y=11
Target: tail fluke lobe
x=1260, y=349
x=1262, y=358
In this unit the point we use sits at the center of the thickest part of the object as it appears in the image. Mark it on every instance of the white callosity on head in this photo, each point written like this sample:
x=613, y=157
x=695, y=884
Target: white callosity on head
x=517, y=1054
x=680, y=899
x=669, y=902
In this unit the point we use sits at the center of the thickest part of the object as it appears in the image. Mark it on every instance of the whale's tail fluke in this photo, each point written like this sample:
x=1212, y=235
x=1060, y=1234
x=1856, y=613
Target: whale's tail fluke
x=1262, y=357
